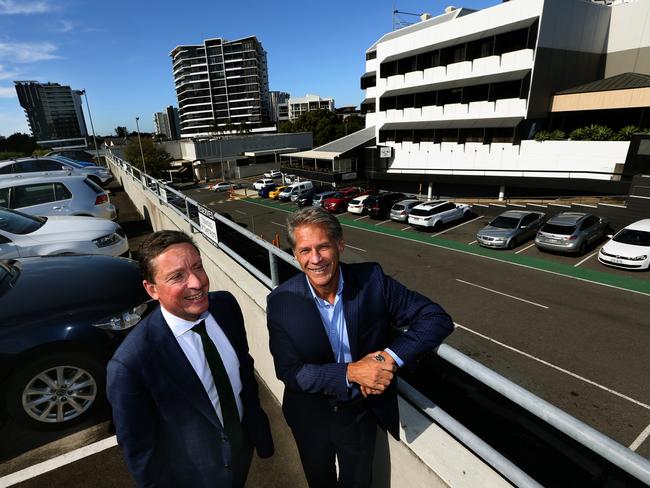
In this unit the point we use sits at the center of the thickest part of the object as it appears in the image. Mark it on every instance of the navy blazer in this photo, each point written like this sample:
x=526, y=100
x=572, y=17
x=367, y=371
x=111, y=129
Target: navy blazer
x=166, y=424
x=372, y=302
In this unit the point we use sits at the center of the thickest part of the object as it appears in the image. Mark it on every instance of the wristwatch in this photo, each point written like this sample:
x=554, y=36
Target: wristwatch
x=379, y=358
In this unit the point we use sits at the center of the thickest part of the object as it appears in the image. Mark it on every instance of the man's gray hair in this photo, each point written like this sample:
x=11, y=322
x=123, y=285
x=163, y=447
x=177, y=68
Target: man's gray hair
x=313, y=216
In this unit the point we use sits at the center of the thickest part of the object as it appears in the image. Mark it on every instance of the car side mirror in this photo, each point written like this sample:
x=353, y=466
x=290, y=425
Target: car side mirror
x=523, y=226
x=610, y=236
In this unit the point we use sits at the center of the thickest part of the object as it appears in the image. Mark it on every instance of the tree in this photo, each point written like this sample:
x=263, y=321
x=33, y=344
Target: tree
x=121, y=131
x=20, y=143
x=155, y=158
x=324, y=125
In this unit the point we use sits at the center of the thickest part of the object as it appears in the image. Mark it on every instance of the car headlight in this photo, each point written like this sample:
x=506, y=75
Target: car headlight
x=105, y=241
x=639, y=258
x=124, y=320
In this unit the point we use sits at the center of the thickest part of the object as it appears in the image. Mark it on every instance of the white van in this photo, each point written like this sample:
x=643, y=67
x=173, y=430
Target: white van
x=300, y=189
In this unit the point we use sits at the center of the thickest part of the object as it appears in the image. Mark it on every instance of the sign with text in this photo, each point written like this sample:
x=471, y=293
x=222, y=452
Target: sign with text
x=385, y=151
x=207, y=223
x=349, y=176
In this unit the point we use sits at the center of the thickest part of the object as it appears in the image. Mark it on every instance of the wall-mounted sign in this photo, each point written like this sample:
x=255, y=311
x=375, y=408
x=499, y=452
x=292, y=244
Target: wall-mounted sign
x=385, y=151
x=207, y=223
x=349, y=176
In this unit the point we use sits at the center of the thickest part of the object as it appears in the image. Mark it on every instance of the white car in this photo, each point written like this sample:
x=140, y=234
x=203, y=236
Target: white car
x=436, y=213
x=23, y=235
x=274, y=173
x=629, y=248
x=261, y=183
x=356, y=206
x=224, y=186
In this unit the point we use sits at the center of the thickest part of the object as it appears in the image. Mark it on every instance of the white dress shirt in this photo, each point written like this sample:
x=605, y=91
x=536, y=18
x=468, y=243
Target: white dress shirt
x=191, y=345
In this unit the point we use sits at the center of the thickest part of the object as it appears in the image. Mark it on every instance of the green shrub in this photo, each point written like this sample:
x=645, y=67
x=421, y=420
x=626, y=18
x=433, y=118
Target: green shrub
x=545, y=135
x=579, y=134
x=600, y=133
x=626, y=133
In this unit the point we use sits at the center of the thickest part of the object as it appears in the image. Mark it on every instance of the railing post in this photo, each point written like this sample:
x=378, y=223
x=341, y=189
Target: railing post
x=273, y=265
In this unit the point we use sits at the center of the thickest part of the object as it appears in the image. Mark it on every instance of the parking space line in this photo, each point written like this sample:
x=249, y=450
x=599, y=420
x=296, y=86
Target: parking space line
x=639, y=440
x=277, y=223
x=585, y=259
x=557, y=368
x=356, y=248
x=455, y=227
x=527, y=247
x=501, y=293
x=406, y=228
x=380, y=223
x=473, y=242
x=57, y=462
x=360, y=218
x=239, y=211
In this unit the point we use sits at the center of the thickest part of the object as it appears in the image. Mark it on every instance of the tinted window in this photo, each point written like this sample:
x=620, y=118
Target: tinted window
x=28, y=195
x=19, y=223
x=565, y=230
x=633, y=237
x=529, y=219
x=588, y=222
x=4, y=197
x=33, y=165
x=505, y=222
x=5, y=170
x=28, y=166
x=61, y=192
x=398, y=206
x=425, y=212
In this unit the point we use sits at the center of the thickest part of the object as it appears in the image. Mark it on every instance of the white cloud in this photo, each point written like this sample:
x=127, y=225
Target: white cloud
x=5, y=75
x=11, y=7
x=65, y=26
x=23, y=52
x=7, y=92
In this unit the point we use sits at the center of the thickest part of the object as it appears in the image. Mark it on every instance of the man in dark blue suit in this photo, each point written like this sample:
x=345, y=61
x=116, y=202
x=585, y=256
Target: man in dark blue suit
x=182, y=385
x=331, y=340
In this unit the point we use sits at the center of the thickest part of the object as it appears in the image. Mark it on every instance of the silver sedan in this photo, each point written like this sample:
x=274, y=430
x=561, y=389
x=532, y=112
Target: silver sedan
x=510, y=229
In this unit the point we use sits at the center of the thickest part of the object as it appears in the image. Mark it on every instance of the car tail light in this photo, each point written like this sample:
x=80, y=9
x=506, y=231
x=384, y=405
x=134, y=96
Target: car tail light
x=103, y=198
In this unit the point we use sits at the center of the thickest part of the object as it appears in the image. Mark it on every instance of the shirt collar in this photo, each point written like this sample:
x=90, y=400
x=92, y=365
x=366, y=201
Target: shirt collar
x=178, y=325
x=318, y=299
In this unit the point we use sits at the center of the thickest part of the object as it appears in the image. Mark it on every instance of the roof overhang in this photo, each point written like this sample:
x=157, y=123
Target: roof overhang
x=267, y=152
x=323, y=155
x=454, y=124
x=602, y=100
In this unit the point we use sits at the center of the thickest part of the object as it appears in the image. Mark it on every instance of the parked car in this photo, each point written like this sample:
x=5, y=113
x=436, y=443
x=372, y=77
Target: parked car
x=436, y=213
x=401, y=210
x=339, y=201
x=571, y=232
x=23, y=235
x=98, y=174
x=77, y=154
x=64, y=195
x=295, y=191
x=306, y=199
x=629, y=248
x=324, y=195
x=510, y=229
x=224, y=186
x=379, y=205
x=81, y=164
x=261, y=183
x=264, y=192
x=52, y=166
x=358, y=205
x=275, y=193
x=274, y=173
x=61, y=319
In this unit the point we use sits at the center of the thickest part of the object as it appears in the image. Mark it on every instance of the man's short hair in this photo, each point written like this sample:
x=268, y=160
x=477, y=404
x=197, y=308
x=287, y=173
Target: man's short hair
x=313, y=216
x=154, y=245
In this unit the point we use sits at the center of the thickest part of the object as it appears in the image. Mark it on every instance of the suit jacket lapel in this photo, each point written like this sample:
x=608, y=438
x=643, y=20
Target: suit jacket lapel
x=311, y=322
x=351, y=309
x=174, y=365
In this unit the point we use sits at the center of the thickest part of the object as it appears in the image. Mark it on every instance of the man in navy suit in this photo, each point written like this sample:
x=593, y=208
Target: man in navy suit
x=331, y=340
x=182, y=385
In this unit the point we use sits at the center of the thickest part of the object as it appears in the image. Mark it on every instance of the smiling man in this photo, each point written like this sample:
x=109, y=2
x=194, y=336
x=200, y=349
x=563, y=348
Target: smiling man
x=182, y=385
x=334, y=349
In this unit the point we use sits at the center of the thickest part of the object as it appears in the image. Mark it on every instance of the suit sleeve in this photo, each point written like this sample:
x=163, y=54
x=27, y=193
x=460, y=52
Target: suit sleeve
x=134, y=418
x=428, y=324
x=329, y=378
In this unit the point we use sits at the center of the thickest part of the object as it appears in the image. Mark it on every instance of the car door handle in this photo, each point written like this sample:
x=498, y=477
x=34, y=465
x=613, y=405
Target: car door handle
x=57, y=208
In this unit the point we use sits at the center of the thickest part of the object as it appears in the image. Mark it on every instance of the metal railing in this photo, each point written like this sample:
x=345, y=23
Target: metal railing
x=610, y=450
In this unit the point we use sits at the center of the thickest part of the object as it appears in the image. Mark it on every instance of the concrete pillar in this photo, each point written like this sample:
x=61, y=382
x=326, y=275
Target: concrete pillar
x=429, y=191
x=502, y=192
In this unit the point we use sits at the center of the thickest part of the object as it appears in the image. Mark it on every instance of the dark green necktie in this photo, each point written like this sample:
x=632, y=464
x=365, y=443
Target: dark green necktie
x=229, y=412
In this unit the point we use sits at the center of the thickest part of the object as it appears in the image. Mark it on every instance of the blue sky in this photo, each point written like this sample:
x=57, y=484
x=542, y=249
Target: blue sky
x=119, y=51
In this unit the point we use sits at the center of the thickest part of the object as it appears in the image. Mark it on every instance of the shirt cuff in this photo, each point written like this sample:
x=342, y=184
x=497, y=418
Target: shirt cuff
x=397, y=359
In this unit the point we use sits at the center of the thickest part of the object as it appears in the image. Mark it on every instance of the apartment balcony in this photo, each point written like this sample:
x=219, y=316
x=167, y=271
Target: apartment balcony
x=492, y=69
x=500, y=113
x=372, y=65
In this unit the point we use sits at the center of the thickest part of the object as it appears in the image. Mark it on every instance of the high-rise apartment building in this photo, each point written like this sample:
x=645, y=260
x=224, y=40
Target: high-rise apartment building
x=53, y=112
x=221, y=86
x=167, y=123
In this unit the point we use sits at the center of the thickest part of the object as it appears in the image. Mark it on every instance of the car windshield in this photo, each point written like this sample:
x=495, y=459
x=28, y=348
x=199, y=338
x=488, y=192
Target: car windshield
x=19, y=223
x=336, y=195
x=633, y=237
x=565, y=230
x=505, y=222
x=356, y=201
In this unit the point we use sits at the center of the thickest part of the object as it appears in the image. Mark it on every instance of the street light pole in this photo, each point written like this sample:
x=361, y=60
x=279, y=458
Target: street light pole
x=91, y=124
x=137, y=125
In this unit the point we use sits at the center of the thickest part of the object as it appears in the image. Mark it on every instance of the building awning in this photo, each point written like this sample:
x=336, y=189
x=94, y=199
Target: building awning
x=454, y=124
x=624, y=91
x=329, y=156
x=336, y=148
x=267, y=152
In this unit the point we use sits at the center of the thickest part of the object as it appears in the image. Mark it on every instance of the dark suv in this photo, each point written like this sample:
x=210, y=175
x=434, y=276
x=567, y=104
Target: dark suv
x=379, y=205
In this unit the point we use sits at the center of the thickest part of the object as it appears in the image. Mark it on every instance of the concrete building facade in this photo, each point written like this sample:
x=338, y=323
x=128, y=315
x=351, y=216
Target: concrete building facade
x=279, y=99
x=301, y=105
x=221, y=85
x=167, y=123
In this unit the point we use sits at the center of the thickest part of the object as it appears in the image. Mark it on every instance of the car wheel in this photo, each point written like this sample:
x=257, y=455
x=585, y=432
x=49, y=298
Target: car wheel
x=437, y=226
x=582, y=249
x=512, y=243
x=467, y=215
x=56, y=391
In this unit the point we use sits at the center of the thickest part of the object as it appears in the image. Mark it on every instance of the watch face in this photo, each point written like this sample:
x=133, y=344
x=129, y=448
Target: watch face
x=379, y=358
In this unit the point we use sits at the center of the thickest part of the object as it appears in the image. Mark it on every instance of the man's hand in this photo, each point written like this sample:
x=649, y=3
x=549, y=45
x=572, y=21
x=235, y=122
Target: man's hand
x=371, y=375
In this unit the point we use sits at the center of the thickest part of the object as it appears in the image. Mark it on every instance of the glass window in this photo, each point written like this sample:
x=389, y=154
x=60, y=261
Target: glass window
x=61, y=192
x=19, y=223
x=4, y=197
x=29, y=195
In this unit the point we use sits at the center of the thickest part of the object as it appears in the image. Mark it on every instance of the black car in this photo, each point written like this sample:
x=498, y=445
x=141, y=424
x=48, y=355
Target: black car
x=61, y=319
x=379, y=205
x=306, y=200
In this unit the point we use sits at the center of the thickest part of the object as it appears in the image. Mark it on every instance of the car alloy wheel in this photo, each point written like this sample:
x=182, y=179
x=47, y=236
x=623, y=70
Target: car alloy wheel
x=56, y=391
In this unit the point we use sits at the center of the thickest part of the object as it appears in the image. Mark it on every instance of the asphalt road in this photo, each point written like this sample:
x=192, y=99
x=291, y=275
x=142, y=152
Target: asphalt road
x=581, y=345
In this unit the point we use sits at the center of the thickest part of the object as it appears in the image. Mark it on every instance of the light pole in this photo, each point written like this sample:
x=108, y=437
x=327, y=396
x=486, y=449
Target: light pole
x=137, y=125
x=91, y=124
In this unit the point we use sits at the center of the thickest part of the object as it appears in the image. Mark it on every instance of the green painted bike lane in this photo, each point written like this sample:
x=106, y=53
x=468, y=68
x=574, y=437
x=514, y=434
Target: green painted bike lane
x=601, y=277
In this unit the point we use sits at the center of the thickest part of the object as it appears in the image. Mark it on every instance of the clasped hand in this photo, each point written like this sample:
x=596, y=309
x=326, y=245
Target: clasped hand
x=371, y=375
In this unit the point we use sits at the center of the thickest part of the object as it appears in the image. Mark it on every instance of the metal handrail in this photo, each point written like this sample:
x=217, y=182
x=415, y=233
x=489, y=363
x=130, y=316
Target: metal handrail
x=619, y=455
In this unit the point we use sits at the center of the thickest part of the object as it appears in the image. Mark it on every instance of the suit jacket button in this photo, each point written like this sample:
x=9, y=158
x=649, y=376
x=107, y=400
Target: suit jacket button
x=226, y=465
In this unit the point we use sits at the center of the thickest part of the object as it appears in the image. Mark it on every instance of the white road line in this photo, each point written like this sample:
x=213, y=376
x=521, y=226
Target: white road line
x=57, y=462
x=407, y=228
x=501, y=293
x=455, y=227
x=639, y=440
x=239, y=211
x=277, y=223
x=380, y=223
x=357, y=248
x=565, y=371
x=585, y=259
x=473, y=242
x=360, y=218
x=527, y=247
